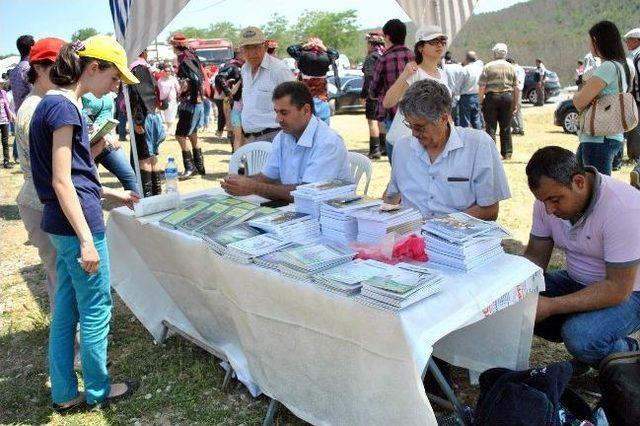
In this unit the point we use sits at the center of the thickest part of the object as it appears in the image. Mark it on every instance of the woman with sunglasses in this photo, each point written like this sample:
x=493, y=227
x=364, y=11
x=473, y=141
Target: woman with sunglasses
x=429, y=49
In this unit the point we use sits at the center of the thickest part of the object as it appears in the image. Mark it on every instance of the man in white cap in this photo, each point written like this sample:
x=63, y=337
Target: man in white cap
x=261, y=73
x=499, y=97
x=632, y=40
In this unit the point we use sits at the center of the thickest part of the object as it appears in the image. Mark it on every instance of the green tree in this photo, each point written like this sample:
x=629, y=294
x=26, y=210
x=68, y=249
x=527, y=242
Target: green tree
x=278, y=29
x=83, y=33
x=224, y=29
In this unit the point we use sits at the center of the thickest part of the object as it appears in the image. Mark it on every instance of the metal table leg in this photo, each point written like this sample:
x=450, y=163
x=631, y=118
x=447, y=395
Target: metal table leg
x=458, y=408
x=272, y=410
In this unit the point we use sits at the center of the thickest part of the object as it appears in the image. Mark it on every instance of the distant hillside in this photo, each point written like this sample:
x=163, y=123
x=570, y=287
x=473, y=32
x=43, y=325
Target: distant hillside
x=553, y=30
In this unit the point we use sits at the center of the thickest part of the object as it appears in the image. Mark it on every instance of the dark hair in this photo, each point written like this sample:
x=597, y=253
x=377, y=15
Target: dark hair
x=607, y=41
x=396, y=30
x=417, y=52
x=270, y=50
x=69, y=66
x=24, y=44
x=555, y=163
x=298, y=93
x=510, y=60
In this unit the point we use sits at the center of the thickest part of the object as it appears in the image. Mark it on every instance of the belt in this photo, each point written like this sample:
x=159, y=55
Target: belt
x=262, y=132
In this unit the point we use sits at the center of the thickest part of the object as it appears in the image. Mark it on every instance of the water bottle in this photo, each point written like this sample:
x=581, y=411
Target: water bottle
x=171, y=175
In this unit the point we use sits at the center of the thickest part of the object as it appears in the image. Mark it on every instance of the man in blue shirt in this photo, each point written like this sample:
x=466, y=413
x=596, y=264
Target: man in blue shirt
x=305, y=151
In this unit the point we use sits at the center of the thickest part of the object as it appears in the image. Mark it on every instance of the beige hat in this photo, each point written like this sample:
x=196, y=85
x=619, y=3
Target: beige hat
x=251, y=35
x=428, y=33
x=634, y=33
x=500, y=48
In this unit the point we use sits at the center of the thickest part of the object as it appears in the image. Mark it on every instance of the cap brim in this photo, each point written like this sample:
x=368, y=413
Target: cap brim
x=126, y=75
x=433, y=37
x=252, y=43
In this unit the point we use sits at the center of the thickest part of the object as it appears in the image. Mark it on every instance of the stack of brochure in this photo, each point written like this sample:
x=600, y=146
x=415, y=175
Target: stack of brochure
x=336, y=220
x=346, y=279
x=374, y=223
x=231, y=216
x=244, y=251
x=173, y=219
x=289, y=226
x=307, y=197
x=221, y=238
x=303, y=260
x=399, y=286
x=462, y=242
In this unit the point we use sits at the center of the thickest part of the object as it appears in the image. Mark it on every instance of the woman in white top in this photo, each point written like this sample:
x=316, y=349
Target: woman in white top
x=168, y=87
x=429, y=50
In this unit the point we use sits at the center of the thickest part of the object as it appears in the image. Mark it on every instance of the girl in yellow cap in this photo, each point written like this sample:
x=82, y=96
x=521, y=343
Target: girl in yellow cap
x=66, y=182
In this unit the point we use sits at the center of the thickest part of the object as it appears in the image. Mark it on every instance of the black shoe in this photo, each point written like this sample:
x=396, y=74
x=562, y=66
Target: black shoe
x=189, y=167
x=147, y=188
x=156, y=183
x=132, y=387
x=7, y=164
x=73, y=408
x=198, y=160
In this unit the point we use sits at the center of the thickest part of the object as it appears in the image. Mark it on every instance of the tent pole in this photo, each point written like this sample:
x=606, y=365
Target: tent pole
x=132, y=138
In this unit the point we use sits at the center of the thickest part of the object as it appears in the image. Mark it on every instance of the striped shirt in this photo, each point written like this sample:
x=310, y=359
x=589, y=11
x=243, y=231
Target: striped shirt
x=498, y=76
x=388, y=69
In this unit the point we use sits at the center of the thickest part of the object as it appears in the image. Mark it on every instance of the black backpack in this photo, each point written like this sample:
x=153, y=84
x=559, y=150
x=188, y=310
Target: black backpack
x=532, y=397
x=619, y=381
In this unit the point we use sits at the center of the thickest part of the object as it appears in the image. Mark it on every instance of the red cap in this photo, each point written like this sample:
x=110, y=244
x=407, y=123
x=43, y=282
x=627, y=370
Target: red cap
x=45, y=49
x=179, y=40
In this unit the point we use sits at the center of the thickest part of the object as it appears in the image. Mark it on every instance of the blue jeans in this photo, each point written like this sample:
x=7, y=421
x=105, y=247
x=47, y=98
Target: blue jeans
x=206, y=106
x=322, y=110
x=593, y=335
x=599, y=155
x=116, y=162
x=86, y=299
x=469, y=108
x=389, y=146
x=122, y=124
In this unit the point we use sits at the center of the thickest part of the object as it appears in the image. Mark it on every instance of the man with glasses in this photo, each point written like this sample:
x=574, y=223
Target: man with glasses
x=441, y=168
x=499, y=97
x=261, y=73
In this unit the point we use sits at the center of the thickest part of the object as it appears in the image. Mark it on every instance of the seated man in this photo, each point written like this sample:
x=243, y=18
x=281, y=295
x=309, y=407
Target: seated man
x=306, y=150
x=593, y=305
x=442, y=168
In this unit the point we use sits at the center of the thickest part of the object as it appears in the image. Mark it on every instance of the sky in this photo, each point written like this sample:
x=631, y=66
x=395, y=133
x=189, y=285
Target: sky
x=60, y=18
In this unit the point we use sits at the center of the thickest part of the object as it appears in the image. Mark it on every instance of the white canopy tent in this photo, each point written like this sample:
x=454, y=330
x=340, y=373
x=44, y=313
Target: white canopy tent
x=138, y=22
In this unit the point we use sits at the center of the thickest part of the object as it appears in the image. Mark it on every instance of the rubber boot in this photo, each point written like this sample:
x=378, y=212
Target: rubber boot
x=198, y=159
x=189, y=167
x=156, y=183
x=383, y=144
x=374, y=148
x=145, y=177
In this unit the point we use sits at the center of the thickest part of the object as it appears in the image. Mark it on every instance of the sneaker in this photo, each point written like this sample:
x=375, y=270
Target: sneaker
x=635, y=178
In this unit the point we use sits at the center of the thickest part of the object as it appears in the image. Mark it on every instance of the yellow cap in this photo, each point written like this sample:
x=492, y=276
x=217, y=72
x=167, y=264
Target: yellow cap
x=108, y=49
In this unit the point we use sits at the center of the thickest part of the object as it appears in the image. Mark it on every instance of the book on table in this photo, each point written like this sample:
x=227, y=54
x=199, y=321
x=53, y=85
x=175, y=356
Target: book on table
x=221, y=238
x=346, y=279
x=308, y=197
x=336, y=220
x=374, y=223
x=231, y=215
x=245, y=250
x=460, y=227
x=173, y=219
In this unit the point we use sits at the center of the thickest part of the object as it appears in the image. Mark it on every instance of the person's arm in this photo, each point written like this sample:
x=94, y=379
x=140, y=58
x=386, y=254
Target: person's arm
x=613, y=290
x=127, y=198
x=397, y=89
x=588, y=92
x=68, y=198
x=257, y=185
x=539, y=251
x=484, y=212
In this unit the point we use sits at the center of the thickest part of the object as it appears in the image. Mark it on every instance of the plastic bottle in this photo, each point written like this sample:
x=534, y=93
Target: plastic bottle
x=171, y=175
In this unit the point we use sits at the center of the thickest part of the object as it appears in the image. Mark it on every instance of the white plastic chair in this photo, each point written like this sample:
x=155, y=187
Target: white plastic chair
x=253, y=155
x=360, y=164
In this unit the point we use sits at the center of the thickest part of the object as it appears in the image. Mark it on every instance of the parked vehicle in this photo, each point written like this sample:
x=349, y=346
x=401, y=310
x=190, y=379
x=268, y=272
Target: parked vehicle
x=347, y=98
x=566, y=116
x=551, y=85
x=212, y=51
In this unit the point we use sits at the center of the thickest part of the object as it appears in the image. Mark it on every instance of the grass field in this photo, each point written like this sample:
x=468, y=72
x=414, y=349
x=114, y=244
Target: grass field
x=180, y=384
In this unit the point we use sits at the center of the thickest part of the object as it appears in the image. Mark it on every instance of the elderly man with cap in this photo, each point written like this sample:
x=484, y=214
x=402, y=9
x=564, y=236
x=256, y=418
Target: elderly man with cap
x=632, y=40
x=499, y=97
x=261, y=73
x=441, y=168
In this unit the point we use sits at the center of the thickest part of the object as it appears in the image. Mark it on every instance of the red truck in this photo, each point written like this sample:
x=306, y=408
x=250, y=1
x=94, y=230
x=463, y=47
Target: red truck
x=212, y=51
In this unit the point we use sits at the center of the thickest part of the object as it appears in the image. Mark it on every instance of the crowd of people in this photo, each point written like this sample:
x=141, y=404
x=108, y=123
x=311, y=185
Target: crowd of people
x=435, y=120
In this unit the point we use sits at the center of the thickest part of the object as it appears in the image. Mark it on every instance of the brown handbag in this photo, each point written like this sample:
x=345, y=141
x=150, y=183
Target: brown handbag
x=611, y=114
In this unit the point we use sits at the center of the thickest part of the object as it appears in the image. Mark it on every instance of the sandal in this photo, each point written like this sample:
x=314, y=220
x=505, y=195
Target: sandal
x=132, y=387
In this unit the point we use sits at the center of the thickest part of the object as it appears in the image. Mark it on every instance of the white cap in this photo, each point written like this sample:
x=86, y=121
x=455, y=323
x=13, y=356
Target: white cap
x=500, y=48
x=634, y=33
x=428, y=33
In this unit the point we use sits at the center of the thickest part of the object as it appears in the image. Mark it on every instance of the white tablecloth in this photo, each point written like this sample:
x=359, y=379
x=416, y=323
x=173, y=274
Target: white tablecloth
x=329, y=359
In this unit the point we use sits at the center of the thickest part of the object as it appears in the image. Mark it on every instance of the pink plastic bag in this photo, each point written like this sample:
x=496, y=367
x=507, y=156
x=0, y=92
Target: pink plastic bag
x=391, y=251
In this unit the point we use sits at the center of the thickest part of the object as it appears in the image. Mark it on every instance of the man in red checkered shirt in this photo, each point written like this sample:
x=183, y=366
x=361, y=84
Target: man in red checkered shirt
x=388, y=68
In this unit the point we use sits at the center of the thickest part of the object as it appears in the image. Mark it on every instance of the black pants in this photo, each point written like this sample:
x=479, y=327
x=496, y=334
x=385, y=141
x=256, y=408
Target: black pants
x=496, y=109
x=221, y=120
x=4, y=131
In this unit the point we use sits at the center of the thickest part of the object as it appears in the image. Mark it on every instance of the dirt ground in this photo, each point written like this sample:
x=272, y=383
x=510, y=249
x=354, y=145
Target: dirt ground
x=181, y=383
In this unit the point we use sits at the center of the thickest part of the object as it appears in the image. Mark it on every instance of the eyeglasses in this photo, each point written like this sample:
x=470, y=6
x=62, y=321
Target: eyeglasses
x=436, y=41
x=419, y=130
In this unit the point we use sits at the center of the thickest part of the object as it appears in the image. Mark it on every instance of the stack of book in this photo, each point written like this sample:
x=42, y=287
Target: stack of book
x=288, y=226
x=336, y=220
x=307, y=197
x=221, y=238
x=399, y=286
x=231, y=216
x=462, y=242
x=188, y=210
x=374, y=223
x=244, y=251
x=304, y=260
x=346, y=279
